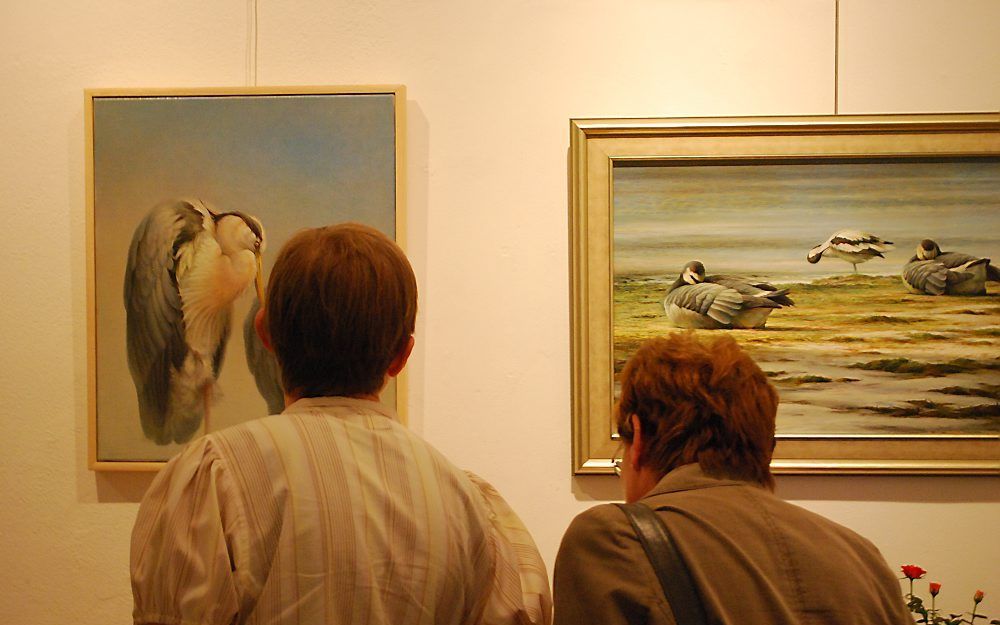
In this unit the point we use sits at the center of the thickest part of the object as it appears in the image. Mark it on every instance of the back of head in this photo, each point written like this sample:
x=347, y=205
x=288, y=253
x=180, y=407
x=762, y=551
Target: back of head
x=341, y=304
x=700, y=401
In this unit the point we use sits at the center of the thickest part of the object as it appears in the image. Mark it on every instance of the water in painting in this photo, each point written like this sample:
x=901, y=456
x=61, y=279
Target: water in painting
x=859, y=353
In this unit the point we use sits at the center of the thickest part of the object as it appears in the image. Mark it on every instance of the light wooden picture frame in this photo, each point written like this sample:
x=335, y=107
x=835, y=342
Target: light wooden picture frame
x=289, y=157
x=898, y=383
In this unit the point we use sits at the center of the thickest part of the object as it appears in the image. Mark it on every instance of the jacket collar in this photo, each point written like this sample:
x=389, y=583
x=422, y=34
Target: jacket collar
x=691, y=477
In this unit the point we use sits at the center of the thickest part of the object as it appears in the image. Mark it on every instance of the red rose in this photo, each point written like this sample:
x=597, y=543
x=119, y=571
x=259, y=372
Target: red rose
x=912, y=571
x=978, y=596
x=935, y=588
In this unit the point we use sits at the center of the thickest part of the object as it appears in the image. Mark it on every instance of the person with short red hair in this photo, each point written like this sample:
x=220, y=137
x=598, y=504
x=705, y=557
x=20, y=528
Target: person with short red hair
x=332, y=511
x=697, y=420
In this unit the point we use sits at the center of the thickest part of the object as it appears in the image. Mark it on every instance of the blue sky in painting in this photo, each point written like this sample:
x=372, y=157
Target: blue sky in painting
x=292, y=161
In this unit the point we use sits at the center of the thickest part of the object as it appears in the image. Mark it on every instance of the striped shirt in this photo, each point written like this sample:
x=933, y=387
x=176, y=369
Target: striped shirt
x=329, y=513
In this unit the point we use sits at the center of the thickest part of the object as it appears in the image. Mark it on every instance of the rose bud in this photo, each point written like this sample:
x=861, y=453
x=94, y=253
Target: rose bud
x=978, y=596
x=935, y=588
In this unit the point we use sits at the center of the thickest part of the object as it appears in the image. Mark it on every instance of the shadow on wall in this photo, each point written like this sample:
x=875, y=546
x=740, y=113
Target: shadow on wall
x=122, y=487
x=905, y=489
x=908, y=489
x=598, y=488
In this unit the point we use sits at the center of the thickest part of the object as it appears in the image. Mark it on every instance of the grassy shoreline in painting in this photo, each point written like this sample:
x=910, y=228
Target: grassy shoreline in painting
x=857, y=355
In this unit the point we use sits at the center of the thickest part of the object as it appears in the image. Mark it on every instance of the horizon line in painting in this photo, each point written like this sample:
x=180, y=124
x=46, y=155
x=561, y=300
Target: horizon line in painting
x=864, y=288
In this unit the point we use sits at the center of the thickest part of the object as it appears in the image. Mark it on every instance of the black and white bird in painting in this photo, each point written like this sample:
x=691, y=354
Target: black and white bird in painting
x=696, y=300
x=934, y=272
x=186, y=267
x=851, y=245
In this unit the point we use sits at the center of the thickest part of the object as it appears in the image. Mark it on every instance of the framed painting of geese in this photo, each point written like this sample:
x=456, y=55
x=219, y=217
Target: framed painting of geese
x=855, y=257
x=190, y=195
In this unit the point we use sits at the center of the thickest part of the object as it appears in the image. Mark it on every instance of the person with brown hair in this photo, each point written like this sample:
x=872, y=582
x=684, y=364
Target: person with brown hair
x=697, y=420
x=332, y=511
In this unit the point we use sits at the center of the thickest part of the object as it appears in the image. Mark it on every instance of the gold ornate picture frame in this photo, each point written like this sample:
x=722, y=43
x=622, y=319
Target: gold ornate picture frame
x=286, y=158
x=875, y=378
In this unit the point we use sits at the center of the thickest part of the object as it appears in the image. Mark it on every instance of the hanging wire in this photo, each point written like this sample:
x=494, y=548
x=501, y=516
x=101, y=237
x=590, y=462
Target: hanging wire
x=252, y=39
x=836, y=58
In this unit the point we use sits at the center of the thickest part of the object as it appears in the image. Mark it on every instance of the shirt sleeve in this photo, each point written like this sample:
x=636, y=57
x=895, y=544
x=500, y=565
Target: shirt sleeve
x=603, y=577
x=182, y=561
x=520, y=592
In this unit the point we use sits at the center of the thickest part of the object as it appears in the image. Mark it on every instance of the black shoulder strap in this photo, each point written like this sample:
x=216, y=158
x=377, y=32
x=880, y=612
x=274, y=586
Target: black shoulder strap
x=670, y=569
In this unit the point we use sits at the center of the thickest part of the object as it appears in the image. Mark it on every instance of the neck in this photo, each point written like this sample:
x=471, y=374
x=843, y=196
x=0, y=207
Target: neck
x=643, y=481
x=291, y=398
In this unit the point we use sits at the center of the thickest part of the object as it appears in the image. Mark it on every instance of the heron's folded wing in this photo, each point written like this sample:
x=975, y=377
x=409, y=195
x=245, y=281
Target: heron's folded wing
x=154, y=320
x=928, y=276
x=262, y=364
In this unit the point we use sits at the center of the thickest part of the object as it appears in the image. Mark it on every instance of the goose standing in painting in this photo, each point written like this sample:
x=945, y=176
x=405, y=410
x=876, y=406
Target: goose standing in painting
x=850, y=245
x=186, y=266
x=933, y=272
x=695, y=300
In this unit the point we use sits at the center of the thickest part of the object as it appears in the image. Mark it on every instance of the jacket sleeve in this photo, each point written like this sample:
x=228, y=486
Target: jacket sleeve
x=602, y=575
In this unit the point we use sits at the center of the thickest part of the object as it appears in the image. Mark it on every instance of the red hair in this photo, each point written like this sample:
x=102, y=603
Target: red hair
x=700, y=401
x=341, y=304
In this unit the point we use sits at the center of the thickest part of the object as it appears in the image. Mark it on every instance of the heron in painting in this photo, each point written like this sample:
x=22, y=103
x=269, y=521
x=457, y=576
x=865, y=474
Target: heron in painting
x=262, y=364
x=850, y=245
x=933, y=272
x=186, y=267
x=695, y=300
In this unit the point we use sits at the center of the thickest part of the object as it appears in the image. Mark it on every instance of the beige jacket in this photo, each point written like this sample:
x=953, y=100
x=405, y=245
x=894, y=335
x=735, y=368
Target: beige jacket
x=757, y=560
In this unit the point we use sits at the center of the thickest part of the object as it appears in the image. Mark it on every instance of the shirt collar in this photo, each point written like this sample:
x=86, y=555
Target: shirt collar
x=307, y=404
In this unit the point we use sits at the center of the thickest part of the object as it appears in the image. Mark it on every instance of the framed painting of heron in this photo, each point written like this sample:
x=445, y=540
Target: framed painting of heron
x=190, y=194
x=854, y=257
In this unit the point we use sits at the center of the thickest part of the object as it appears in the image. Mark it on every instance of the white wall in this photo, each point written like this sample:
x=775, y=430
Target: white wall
x=491, y=89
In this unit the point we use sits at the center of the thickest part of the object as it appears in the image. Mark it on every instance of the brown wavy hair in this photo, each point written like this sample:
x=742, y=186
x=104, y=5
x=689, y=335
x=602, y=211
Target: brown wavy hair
x=341, y=304
x=703, y=401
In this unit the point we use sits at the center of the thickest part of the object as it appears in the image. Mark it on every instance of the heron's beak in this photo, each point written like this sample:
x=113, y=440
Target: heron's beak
x=259, y=281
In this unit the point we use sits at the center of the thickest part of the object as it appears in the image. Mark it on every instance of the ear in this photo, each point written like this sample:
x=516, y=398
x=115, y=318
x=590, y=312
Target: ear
x=399, y=361
x=260, y=325
x=637, y=447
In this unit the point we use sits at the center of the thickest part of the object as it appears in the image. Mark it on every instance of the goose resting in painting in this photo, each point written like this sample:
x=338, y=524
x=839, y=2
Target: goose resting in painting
x=695, y=300
x=934, y=272
x=850, y=245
